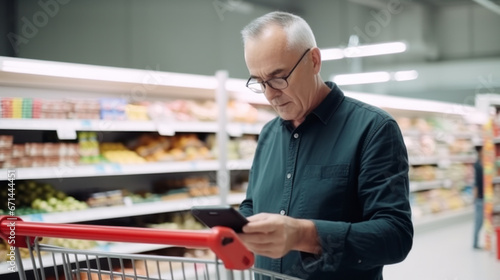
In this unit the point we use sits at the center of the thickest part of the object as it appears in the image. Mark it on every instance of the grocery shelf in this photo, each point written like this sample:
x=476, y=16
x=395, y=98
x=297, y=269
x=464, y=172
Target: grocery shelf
x=496, y=180
x=439, y=134
x=66, y=128
x=111, y=169
x=426, y=185
x=129, y=248
x=146, y=208
x=436, y=160
x=444, y=218
x=116, y=247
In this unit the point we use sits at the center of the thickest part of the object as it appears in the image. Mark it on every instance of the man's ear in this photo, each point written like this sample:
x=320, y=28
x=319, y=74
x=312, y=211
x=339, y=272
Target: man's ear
x=316, y=59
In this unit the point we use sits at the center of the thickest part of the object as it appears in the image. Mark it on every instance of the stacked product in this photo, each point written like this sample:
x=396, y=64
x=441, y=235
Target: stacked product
x=18, y=108
x=113, y=109
x=37, y=154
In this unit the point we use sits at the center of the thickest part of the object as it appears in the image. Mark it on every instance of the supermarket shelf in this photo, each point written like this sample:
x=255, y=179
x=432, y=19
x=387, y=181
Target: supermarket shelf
x=129, y=248
x=76, y=125
x=439, y=134
x=426, y=185
x=146, y=208
x=66, y=128
x=443, y=219
x=435, y=160
x=112, y=169
x=117, y=247
x=496, y=180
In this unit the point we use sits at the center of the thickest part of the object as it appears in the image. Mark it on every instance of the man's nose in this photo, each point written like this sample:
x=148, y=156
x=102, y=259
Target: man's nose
x=271, y=93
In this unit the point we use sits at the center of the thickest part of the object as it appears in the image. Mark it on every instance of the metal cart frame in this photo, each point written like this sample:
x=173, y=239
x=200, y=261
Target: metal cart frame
x=233, y=260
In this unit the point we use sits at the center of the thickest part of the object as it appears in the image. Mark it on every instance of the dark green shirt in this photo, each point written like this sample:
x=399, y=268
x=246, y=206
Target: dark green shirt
x=346, y=169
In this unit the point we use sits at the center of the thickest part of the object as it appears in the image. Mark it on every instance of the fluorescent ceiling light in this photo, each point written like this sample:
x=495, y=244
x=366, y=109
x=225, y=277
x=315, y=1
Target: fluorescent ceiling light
x=332, y=54
x=374, y=77
x=405, y=75
x=361, y=51
x=376, y=49
x=362, y=78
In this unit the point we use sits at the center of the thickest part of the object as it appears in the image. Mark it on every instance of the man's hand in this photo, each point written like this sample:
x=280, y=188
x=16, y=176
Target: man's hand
x=274, y=235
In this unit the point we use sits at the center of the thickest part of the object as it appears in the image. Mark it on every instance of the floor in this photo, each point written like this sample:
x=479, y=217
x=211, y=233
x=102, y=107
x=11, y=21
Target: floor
x=446, y=254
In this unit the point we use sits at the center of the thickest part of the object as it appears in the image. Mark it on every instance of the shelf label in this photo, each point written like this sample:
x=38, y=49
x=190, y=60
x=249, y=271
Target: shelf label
x=166, y=130
x=235, y=130
x=86, y=124
x=36, y=217
x=99, y=168
x=66, y=134
x=116, y=168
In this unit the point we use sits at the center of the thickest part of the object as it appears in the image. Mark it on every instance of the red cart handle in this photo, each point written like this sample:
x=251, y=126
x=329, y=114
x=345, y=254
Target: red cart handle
x=221, y=240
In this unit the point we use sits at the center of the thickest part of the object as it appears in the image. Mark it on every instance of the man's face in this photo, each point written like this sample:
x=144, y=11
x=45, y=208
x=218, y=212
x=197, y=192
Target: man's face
x=268, y=57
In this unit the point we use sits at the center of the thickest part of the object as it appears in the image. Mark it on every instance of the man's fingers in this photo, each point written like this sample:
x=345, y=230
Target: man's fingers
x=256, y=238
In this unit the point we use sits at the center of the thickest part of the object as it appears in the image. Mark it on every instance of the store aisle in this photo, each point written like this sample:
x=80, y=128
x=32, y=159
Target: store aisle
x=445, y=254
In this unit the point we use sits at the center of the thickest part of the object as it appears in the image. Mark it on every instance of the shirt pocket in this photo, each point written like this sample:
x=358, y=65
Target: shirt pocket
x=323, y=191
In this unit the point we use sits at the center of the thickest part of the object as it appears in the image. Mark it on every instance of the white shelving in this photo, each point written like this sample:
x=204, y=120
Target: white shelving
x=69, y=127
x=146, y=208
x=436, y=160
x=113, y=169
x=427, y=185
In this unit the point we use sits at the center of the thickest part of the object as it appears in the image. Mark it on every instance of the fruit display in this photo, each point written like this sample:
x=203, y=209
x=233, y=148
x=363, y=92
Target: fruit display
x=34, y=197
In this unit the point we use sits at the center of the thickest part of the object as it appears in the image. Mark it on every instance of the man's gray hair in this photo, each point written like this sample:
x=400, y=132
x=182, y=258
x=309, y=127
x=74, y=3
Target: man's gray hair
x=299, y=33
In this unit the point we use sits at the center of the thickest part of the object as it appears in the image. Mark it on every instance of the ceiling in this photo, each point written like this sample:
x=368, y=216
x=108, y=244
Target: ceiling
x=452, y=45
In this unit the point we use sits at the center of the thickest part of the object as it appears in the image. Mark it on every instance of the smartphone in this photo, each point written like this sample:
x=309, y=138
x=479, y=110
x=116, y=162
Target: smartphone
x=220, y=215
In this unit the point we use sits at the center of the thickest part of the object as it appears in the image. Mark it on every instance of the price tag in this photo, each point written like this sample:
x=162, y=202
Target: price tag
x=444, y=163
x=66, y=134
x=99, y=168
x=86, y=124
x=36, y=217
x=117, y=168
x=166, y=130
x=235, y=130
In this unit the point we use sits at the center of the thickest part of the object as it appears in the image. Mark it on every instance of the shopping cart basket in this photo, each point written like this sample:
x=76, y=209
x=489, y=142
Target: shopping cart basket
x=232, y=261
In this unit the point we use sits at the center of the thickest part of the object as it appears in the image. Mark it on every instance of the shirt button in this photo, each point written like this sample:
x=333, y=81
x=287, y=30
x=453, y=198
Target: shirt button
x=282, y=212
x=296, y=135
x=289, y=175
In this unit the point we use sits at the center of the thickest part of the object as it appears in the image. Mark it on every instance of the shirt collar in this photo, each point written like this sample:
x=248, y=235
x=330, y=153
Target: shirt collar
x=327, y=107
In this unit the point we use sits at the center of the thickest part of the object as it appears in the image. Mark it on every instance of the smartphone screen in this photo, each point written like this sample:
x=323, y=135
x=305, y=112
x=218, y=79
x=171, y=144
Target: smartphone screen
x=218, y=215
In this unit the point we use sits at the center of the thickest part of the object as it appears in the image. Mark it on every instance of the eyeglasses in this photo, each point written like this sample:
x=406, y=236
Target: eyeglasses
x=274, y=83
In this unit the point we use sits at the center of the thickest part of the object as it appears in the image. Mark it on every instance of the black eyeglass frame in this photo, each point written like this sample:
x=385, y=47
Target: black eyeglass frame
x=263, y=83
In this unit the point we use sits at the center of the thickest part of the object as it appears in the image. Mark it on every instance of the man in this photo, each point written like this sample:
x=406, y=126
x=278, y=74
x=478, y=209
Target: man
x=328, y=188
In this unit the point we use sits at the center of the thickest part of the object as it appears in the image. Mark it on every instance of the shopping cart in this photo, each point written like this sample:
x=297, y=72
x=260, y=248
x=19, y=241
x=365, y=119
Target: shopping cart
x=232, y=261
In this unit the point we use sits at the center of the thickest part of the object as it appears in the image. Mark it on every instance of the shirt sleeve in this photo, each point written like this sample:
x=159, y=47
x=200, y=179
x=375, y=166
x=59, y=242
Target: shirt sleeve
x=385, y=233
x=246, y=206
